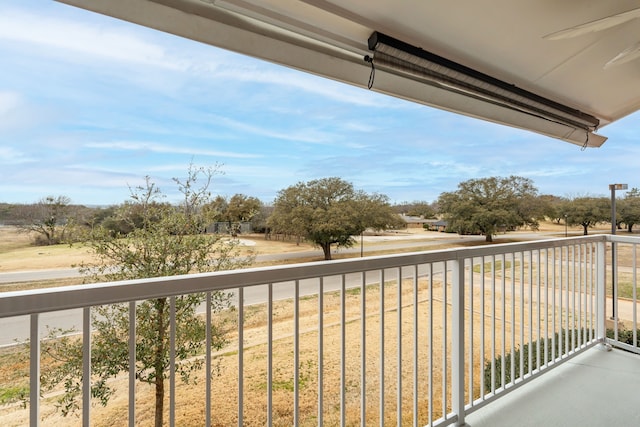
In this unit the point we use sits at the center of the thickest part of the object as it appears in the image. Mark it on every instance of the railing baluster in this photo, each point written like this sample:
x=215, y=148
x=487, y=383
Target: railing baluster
x=567, y=299
x=132, y=364
x=482, y=325
x=553, y=305
x=270, y=355
x=600, y=294
x=581, y=293
x=86, y=366
x=415, y=345
x=430, y=330
x=513, y=318
x=382, y=387
x=343, y=351
x=561, y=298
x=573, y=298
x=34, y=370
x=522, y=324
x=493, y=323
x=530, y=308
x=546, y=307
x=321, y=351
x=363, y=349
x=296, y=351
x=503, y=322
x=240, y=356
x=471, y=330
x=207, y=357
x=457, y=341
x=634, y=296
x=445, y=329
x=538, y=297
x=172, y=362
x=399, y=356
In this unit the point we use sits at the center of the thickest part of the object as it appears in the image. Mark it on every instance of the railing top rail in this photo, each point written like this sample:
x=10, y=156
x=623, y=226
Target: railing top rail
x=623, y=239
x=69, y=297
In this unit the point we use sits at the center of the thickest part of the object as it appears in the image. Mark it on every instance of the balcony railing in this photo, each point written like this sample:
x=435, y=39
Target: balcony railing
x=412, y=339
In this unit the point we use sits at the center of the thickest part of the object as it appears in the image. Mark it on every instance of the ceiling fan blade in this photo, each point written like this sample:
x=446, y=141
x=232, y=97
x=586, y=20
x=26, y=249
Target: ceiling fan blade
x=594, y=26
x=629, y=54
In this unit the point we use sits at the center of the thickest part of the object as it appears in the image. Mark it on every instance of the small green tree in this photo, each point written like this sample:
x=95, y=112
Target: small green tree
x=488, y=204
x=168, y=242
x=329, y=211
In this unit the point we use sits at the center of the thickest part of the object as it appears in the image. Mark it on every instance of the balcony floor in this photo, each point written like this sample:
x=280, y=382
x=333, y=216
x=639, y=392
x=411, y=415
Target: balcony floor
x=596, y=388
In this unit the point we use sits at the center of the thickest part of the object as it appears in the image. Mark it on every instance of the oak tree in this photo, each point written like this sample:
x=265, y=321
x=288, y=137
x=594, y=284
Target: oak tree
x=330, y=211
x=487, y=205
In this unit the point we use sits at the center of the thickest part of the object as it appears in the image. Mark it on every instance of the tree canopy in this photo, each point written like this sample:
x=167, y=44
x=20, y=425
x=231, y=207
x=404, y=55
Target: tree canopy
x=487, y=205
x=330, y=211
x=239, y=208
x=628, y=209
x=50, y=218
x=588, y=211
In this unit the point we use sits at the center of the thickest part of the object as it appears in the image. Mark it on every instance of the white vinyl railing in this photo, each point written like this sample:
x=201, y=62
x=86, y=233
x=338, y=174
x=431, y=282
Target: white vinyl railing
x=412, y=339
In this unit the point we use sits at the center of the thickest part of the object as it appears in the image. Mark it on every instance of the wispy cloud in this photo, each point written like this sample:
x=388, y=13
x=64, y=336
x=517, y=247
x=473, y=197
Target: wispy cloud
x=309, y=135
x=166, y=149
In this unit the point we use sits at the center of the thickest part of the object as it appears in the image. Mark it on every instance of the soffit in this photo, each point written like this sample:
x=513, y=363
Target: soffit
x=501, y=38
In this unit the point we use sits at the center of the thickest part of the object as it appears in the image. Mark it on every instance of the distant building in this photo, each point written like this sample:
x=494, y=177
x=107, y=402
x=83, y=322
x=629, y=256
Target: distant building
x=436, y=225
x=223, y=228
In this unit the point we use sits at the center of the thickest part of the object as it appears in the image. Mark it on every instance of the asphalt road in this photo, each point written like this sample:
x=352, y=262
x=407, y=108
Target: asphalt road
x=63, y=273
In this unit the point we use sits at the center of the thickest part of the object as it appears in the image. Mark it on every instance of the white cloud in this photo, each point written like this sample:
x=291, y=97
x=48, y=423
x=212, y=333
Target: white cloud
x=11, y=156
x=9, y=101
x=302, y=135
x=84, y=41
x=166, y=149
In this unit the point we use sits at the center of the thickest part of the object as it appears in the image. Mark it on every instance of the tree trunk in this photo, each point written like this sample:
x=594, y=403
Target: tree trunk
x=326, y=248
x=585, y=227
x=488, y=238
x=629, y=227
x=159, y=363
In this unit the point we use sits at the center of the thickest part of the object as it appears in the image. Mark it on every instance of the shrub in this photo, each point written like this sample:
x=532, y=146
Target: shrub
x=524, y=352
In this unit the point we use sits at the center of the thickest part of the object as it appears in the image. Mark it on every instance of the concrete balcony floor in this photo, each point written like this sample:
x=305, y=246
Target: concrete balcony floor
x=596, y=388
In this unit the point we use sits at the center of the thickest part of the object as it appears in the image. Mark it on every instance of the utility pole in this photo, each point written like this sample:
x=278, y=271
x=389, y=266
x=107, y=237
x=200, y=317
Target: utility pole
x=614, y=284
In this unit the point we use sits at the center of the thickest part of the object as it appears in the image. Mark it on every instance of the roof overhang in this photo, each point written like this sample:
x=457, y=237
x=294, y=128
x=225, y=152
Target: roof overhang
x=504, y=42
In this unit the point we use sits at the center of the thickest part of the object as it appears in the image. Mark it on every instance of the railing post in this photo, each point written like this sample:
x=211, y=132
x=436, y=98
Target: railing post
x=457, y=339
x=601, y=296
x=34, y=371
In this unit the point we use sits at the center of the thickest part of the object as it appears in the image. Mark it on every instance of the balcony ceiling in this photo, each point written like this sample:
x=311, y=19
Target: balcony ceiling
x=504, y=39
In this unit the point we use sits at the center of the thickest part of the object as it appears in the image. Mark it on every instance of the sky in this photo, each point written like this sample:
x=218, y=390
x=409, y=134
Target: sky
x=90, y=105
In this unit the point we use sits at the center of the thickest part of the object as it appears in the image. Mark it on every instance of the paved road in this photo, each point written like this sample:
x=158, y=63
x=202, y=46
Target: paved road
x=63, y=273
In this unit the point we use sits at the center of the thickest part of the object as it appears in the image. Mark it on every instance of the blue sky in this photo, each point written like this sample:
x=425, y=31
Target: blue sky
x=90, y=105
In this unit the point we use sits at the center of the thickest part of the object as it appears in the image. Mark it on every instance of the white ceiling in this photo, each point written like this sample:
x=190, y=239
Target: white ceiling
x=501, y=38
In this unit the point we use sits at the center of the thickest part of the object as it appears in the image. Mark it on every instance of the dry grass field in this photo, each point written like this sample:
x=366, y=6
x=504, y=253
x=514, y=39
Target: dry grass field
x=189, y=399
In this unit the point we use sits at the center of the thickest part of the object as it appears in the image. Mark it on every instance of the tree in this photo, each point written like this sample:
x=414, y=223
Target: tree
x=234, y=211
x=552, y=207
x=587, y=211
x=329, y=211
x=489, y=204
x=416, y=208
x=629, y=209
x=50, y=218
x=167, y=242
